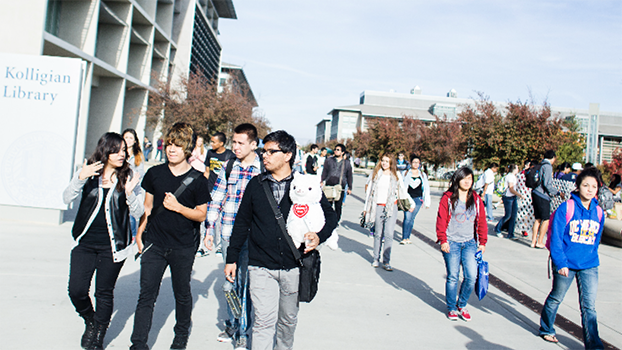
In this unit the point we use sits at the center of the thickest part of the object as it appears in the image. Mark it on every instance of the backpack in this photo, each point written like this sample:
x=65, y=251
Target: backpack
x=605, y=198
x=211, y=182
x=533, y=177
x=481, y=182
x=500, y=188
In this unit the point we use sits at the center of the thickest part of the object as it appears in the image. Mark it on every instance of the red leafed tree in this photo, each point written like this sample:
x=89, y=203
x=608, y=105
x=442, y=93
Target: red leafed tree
x=196, y=101
x=443, y=143
x=615, y=166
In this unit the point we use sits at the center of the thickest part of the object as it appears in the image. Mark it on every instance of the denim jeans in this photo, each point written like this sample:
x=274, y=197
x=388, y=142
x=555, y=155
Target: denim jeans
x=385, y=229
x=488, y=200
x=587, y=282
x=460, y=254
x=85, y=260
x=153, y=263
x=409, y=218
x=510, y=204
x=241, y=288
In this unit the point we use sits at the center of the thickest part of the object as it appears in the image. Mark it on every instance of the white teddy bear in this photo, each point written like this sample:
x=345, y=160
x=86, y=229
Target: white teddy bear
x=306, y=214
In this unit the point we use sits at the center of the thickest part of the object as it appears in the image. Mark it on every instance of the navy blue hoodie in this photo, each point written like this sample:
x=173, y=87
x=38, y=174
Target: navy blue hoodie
x=575, y=245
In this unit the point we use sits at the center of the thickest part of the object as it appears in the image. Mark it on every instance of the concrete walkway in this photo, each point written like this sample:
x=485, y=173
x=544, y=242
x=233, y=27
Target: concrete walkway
x=357, y=307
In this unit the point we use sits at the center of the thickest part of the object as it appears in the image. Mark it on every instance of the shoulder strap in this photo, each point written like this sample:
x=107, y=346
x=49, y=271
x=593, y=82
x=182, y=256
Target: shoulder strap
x=229, y=168
x=279, y=218
x=569, y=211
x=192, y=175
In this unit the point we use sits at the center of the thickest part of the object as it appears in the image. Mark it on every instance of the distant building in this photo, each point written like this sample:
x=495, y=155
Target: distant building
x=345, y=120
x=233, y=76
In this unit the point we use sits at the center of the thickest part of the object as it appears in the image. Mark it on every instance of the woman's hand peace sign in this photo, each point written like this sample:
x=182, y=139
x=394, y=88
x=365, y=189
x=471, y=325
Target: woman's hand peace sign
x=90, y=170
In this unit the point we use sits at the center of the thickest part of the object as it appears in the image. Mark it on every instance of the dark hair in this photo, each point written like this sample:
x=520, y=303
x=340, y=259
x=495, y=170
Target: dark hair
x=615, y=181
x=527, y=163
x=181, y=135
x=342, y=146
x=221, y=136
x=494, y=165
x=246, y=128
x=454, y=185
x=314, y=146
x=322, y=149
x=136, y=151
x=110, y=143
x=549, y=154
x=512, y=167
x=588, y=165
x=588, y=172
x=566, y=165
x=414, y=156
x=286, y=143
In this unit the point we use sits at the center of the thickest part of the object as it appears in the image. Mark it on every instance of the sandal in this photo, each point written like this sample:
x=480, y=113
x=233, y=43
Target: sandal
x=550, y=338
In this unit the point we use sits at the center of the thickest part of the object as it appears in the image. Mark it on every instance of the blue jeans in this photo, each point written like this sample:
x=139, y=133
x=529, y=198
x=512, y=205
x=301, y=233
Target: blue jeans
x=587, y=282
x=488, y=200
x=511, y=209
x=241, y=288
x=409, y=218
x=460, y=254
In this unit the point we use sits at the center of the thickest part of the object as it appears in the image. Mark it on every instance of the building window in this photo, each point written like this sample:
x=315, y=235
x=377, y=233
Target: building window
x=52, y=18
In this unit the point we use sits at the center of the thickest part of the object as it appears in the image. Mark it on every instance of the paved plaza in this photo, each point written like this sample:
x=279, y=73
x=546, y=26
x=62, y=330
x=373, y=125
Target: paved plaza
x=357, y=306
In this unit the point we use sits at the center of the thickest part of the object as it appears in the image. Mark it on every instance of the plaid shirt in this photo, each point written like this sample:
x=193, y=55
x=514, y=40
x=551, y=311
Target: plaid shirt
x=227, y=195
x=278, y=187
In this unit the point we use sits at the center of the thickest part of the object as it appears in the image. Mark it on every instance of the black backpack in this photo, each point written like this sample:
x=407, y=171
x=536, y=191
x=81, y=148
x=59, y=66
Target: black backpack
x=533, y=178
x=211, y=181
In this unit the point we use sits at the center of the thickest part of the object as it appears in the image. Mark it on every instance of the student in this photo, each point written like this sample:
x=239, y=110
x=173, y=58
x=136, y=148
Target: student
x=137, y=164
x=273, y=270
x=216, y=157
x=338, y=170
x=172, y=237
x=311, y=165
x=101, y=231
x=489, y=190
x=221, y=212
x=574, y=253
x=417, y=185
x=462, y=231
x=510, y=203
x=541, y=200
x=384, y=187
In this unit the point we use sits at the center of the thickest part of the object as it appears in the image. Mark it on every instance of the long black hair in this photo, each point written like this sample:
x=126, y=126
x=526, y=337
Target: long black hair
x=615, y=181
x=454, y=186
x=111, y=143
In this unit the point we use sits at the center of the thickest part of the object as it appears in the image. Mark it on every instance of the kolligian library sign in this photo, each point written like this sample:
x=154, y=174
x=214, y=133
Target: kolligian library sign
x=39, y=104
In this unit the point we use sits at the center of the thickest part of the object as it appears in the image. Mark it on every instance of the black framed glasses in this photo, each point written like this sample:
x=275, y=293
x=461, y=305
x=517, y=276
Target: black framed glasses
x=271, y=151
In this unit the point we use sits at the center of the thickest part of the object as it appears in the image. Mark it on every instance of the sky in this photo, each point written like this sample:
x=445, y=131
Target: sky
x=303, y=58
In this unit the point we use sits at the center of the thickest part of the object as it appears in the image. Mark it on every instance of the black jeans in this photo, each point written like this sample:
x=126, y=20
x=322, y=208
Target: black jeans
x=338, y=204
x=85, y=259
x=152, y=266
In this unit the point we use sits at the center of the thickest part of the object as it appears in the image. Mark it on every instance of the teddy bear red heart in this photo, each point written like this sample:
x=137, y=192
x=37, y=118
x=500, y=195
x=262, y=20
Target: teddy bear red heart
x=301, y=210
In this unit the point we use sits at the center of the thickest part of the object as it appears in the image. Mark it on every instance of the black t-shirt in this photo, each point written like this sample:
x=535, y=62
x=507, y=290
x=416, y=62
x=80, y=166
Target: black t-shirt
x=214, y=161
x=169, y=229
x=97, y=234
x=417, y=191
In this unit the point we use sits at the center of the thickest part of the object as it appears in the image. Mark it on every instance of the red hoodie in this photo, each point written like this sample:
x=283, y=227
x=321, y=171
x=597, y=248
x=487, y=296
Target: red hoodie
x=444, y=216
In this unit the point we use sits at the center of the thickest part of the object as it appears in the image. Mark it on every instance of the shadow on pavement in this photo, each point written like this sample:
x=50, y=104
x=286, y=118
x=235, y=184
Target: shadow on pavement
x=127, y=290
x=402, y=280
x=477, y=341
x=348, y=245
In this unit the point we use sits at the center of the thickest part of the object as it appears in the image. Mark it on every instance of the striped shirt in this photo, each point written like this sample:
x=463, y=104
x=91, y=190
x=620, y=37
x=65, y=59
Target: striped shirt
x=227, y=195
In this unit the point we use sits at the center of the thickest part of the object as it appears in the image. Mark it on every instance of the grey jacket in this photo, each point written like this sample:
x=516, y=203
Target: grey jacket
x=546, y=188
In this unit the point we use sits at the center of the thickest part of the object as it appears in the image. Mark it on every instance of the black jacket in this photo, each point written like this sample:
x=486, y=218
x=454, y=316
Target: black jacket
x=117, y=209
x=255, y=221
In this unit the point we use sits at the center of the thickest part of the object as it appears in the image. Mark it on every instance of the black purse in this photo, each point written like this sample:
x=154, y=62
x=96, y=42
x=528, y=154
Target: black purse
x=309, y=263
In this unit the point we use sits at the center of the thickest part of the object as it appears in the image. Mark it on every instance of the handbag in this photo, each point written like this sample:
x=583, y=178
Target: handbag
x=481, y=284
x=333, y=193
x=309, y=263
x=403, y=205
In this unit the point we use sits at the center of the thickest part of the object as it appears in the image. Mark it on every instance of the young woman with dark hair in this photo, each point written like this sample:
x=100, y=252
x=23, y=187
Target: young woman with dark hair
x=510, y=203
x=417, y=185
x=136, y=161
x=462, y=231
x=101, y=231
x=384, y=187
x=576, y=230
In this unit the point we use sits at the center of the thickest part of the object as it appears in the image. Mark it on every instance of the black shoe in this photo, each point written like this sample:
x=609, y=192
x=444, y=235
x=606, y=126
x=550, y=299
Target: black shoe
x=179, y=342
x=89, y=331
x=98, y=339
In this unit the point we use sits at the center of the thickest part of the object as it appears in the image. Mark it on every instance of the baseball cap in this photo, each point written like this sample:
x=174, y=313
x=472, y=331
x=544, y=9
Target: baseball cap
x=577, y=166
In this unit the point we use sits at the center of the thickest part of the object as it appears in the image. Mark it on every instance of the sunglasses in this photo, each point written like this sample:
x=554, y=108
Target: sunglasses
x=271, y=151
